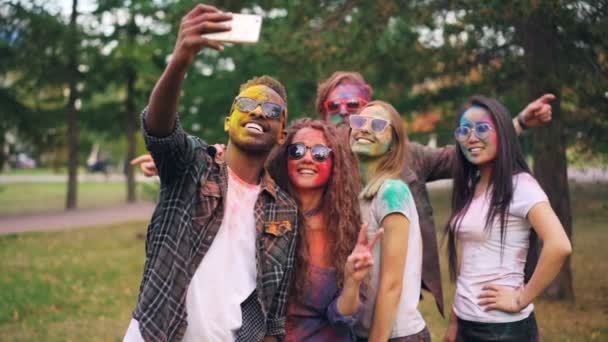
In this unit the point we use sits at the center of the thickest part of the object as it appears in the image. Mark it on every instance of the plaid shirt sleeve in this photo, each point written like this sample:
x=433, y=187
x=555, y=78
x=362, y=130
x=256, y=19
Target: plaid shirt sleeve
x=172, y=154
x=275, y=323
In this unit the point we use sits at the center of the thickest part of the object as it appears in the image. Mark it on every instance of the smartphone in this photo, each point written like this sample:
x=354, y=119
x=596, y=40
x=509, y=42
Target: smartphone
x=245, y=30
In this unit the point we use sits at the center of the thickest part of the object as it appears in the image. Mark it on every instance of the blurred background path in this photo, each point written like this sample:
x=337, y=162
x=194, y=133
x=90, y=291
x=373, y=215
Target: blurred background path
x=79, y=218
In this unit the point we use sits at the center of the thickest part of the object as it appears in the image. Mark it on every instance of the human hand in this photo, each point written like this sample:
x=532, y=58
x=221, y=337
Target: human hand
x=503, y=298
x=201, y=19
x=219, y=149
x=360, y=260
x=146, y=165
x=451, y=332
x=537, y=112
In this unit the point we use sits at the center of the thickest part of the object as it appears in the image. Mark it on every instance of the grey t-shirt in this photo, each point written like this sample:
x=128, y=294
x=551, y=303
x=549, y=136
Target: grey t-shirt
x=395, y=197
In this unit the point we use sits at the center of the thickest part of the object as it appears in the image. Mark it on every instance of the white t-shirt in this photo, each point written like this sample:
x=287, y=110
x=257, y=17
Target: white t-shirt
x=394, y=197
x=481, y=251
x=227, y=274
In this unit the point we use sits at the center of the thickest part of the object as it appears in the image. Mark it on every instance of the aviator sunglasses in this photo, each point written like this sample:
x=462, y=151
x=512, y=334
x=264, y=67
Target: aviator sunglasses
x=482, y=131
x=359, y=121
x=352, y=105
x=271, y=110
x=298, y=151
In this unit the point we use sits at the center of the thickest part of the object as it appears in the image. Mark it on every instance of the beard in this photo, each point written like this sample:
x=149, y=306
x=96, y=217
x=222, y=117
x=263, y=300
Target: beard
x=255, y=149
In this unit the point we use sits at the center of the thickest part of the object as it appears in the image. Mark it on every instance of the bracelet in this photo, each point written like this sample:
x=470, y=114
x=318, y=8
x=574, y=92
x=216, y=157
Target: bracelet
x=521, y=123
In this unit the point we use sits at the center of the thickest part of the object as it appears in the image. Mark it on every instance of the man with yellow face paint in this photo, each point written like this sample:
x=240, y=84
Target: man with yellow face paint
x=220, y=246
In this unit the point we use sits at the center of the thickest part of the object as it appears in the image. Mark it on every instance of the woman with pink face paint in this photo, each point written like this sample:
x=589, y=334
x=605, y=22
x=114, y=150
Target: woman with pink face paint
x=333, y=257
x=498, y=209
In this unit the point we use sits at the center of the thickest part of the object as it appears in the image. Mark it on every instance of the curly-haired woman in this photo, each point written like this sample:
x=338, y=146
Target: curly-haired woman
x=333, y=256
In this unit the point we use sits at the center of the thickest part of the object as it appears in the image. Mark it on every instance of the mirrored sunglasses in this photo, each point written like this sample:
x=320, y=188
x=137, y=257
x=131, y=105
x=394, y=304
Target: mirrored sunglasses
x=271, y=110
x=298, y=151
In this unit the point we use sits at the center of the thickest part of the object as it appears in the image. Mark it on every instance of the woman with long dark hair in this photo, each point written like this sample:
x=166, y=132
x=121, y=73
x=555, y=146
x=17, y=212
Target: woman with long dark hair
x=333, y=256
x=495, y=203
x=379, y=139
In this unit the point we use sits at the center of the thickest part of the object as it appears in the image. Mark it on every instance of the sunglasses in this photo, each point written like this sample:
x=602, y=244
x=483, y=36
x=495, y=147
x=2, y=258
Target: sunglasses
x=352, y=105
x=271, y=110
x=482, y=131
x=359, y=121
x=298, y=151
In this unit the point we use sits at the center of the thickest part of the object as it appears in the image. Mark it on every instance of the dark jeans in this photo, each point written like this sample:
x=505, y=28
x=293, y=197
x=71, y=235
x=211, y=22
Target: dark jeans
x=525, y=330
x=422, y=336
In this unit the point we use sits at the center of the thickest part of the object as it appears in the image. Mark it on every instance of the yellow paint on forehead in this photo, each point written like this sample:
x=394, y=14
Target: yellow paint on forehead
x=261, y=93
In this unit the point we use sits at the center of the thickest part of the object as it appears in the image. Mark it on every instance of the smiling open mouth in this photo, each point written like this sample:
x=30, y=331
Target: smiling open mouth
x=254, y=127
x=307, y=172
x=364, y=141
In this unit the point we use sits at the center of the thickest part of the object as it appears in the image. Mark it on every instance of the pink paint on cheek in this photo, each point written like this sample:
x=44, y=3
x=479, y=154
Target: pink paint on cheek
x=493, y=139
x=292, y=171
x=324, y=169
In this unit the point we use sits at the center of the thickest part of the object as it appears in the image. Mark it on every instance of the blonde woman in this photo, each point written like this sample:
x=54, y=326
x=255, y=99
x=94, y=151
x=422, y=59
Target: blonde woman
x=390, y=312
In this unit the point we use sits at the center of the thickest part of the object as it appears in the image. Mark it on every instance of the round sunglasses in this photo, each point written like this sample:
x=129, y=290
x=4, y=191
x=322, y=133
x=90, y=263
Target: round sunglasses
x=298, y=151
x=271, y=110
x=359, y=121
x=352, y=105
x=482, y=131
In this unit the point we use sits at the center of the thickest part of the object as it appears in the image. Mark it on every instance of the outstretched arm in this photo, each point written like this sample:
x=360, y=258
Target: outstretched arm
x=537, y=113
x=162, y=107
x=436, y=163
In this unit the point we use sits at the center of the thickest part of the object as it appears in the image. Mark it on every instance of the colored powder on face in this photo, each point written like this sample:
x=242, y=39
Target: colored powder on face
x=395, y=195
x=309, y=137
x=324, y=169
x=337, y=119
x=258, y=92
x=478, y=115
x=380, y=148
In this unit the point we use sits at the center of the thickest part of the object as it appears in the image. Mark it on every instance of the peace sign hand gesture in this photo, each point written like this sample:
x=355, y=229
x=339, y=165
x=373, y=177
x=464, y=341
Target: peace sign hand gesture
x=360, y=260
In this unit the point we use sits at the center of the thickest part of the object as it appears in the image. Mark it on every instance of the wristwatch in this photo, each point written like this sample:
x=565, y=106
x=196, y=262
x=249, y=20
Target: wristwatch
x=521, y=123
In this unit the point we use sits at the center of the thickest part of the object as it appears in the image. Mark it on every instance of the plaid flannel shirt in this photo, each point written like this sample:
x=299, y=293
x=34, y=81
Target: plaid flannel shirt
x=186, y=219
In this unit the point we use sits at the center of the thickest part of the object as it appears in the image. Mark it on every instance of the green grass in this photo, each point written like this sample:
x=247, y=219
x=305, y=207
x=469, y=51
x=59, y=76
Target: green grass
x=29, y=198
x=78, y=285
x=81, y=285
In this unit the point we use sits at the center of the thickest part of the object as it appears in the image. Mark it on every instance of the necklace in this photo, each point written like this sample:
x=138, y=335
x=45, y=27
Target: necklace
x=312, y=212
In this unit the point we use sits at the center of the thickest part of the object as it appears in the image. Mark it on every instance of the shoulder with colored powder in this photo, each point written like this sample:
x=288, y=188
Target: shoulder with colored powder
x=395, y=194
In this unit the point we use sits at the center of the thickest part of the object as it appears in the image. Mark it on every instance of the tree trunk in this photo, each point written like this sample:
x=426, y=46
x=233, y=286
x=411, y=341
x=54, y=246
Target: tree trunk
x=540, y=42
x=72, y=112
x=4, y=151
x=131, y=115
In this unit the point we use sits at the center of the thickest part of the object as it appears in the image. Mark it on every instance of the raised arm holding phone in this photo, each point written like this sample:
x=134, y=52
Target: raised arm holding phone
x=162, y=109
x=215, y=214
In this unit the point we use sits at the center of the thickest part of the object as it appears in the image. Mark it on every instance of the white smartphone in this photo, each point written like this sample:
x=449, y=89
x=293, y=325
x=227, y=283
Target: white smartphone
x=245, y=30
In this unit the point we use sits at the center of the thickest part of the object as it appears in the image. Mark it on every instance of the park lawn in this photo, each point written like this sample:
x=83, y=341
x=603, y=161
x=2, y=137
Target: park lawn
x=83, y=284
x=38, y=171
x=30, y=198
